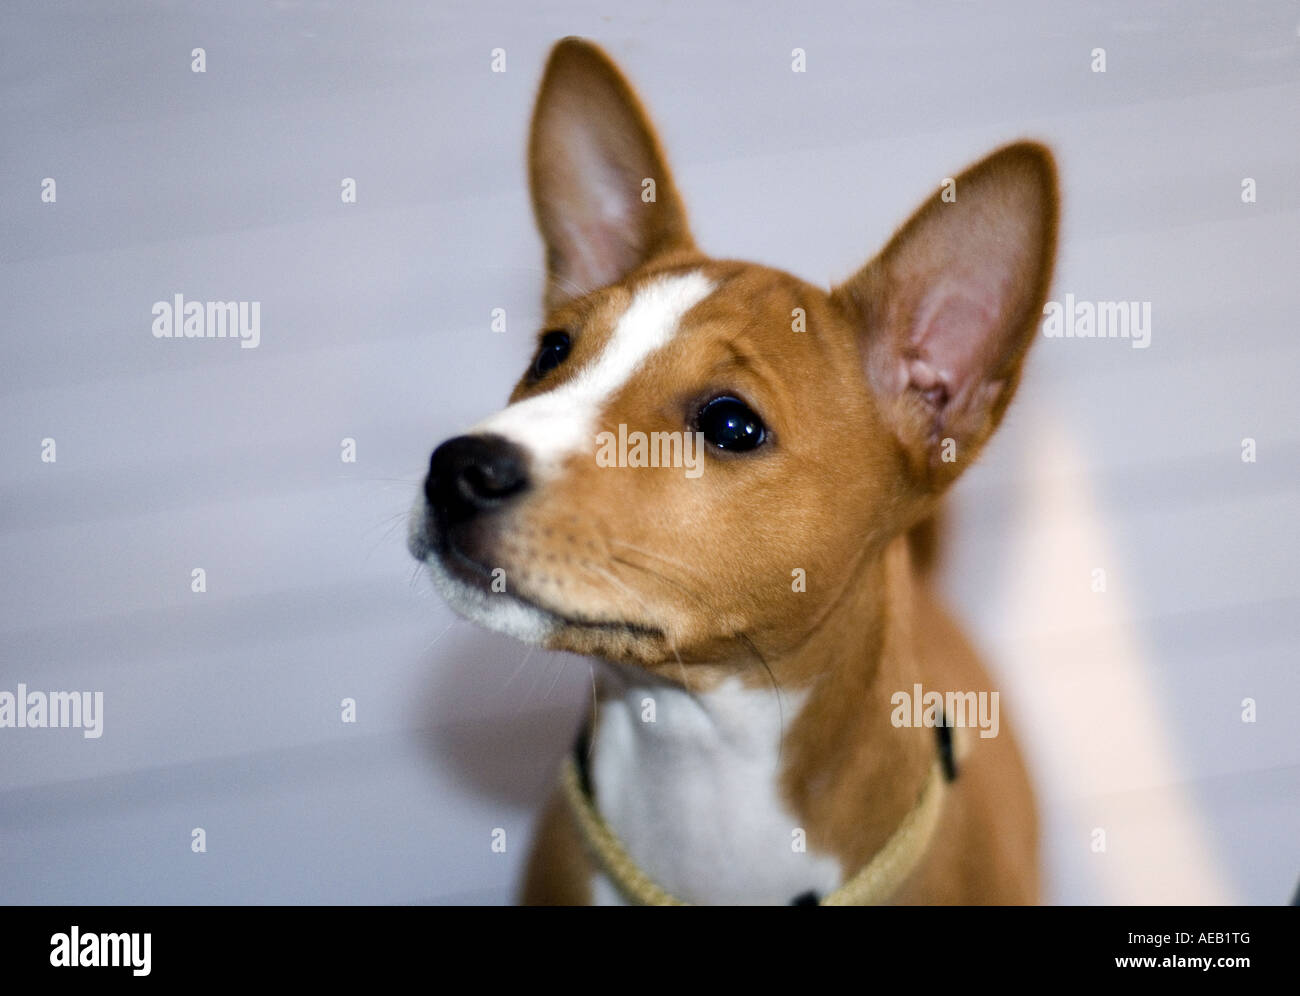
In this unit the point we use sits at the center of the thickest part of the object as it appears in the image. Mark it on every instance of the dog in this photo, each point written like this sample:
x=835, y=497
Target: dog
x=761, y=624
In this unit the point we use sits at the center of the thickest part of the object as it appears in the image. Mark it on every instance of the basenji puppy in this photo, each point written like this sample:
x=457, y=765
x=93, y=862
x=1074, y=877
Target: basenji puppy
x=756, y=619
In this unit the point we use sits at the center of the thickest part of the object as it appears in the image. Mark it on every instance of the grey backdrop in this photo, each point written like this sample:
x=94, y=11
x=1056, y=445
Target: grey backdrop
x=222, y=709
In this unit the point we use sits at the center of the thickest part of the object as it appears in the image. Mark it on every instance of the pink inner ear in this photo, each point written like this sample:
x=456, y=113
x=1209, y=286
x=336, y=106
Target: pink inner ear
x=953, y=343
x=596, y=227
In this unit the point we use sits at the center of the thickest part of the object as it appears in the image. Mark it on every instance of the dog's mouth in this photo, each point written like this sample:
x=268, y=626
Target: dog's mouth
x=487, y=581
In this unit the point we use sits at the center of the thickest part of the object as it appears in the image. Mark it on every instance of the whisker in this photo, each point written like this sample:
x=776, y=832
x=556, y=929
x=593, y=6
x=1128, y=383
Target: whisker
x=395, y=523
x=559, y=671
x=680, y=587
x=640, y=601
x=565, y=282
x=683, y=567
x=776, y=688
x=389, y=524
x=662, y=577
x=595, y=712
x=366, y=479
x=519, y=670
x=447, y=630
x=527, y=700
x=744, y=638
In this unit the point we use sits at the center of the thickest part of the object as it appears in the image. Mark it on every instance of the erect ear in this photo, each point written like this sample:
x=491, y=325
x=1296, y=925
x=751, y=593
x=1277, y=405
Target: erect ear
x=590, y=156
x=948, y=309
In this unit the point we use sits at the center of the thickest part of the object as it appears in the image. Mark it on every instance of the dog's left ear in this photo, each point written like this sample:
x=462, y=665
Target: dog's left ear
x=947, y=311
x=602, y=193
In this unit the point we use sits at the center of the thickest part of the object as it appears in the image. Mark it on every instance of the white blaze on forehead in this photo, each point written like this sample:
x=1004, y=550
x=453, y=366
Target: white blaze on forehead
x=553, y=425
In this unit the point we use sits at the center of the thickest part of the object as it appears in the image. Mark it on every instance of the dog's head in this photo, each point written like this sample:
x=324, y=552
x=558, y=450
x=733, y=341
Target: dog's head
x=827, y=423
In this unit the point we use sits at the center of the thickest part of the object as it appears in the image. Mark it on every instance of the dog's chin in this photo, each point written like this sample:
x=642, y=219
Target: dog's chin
x=467, y=588
x=497, y=611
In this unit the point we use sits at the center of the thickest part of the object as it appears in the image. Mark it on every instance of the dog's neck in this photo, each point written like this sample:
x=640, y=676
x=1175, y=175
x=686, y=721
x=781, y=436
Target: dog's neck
x=725, y=779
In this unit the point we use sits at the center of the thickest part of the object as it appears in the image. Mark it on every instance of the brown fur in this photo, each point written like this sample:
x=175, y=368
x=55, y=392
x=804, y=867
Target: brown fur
x=690, y=579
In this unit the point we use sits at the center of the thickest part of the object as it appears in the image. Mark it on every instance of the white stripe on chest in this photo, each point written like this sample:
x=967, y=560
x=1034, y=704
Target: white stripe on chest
x=552, y=425
x=695, y=795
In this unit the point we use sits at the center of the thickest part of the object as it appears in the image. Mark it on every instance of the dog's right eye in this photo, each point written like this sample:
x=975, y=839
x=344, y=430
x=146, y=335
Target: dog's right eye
x=730, y=424
x=553, y=351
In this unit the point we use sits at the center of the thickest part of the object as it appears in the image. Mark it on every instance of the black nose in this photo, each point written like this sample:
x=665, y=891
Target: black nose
x=471, y=474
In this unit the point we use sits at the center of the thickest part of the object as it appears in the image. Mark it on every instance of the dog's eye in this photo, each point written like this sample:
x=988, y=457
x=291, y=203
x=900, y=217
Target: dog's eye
x=730, y=424
x=553, y=351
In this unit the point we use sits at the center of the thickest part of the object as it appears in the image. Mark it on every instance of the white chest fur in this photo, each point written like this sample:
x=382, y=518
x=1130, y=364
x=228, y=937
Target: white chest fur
x=691, y=784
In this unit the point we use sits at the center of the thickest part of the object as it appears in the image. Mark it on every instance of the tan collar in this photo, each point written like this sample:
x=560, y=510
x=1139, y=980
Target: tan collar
x=871, y=885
